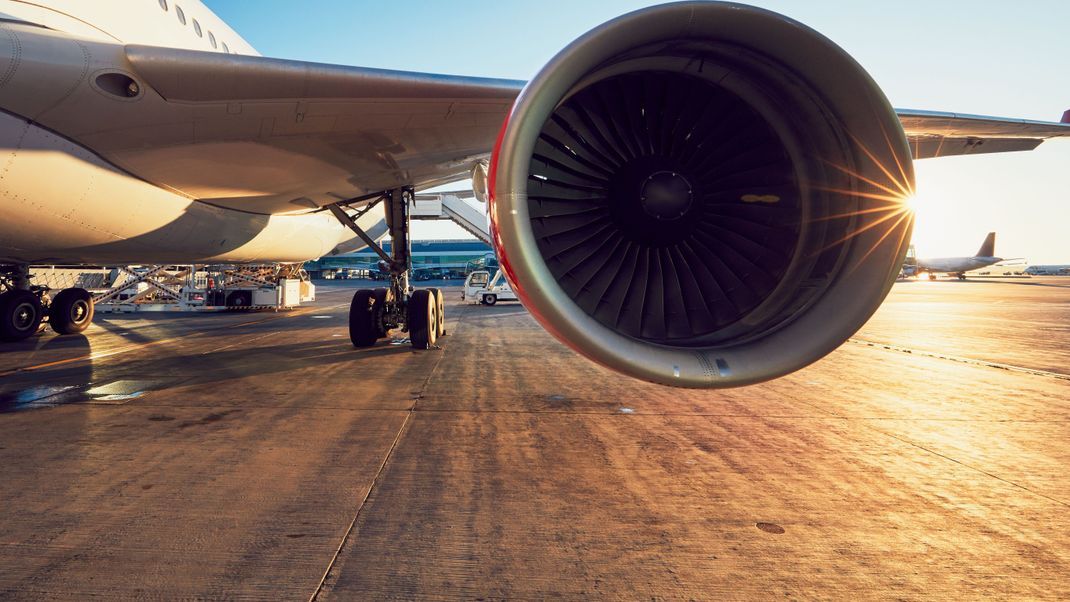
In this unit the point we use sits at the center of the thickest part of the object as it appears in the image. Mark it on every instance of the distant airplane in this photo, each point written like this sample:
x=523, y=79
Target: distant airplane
x=958, y=266
x=1048, y=270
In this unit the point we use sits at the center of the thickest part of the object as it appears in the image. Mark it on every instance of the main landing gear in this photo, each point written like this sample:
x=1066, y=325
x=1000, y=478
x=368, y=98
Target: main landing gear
x=375, y=312
x=25, y=307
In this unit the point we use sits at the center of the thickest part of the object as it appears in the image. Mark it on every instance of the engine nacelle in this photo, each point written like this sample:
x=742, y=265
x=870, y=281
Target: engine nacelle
x=702, y=195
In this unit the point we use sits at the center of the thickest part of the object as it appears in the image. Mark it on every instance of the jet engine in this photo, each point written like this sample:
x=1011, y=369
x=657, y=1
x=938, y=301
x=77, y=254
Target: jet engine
x=702, y=195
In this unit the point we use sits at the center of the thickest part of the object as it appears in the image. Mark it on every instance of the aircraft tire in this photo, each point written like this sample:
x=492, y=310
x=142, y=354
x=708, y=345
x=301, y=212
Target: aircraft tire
x=363, y=331
x=237, y=299
x=20, y=315
x=440, y=302
x=422, y=319
x=71, y=311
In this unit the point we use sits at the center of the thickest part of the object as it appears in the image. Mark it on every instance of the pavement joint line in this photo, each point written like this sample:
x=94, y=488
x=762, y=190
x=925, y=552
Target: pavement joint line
x=379, y=473
x=984, y=472
x=242, y=342
x=356, y=515
x=961, y=360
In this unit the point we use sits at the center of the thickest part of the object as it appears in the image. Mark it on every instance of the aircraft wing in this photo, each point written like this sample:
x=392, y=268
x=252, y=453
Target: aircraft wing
x=277, y=136
x=937, y=134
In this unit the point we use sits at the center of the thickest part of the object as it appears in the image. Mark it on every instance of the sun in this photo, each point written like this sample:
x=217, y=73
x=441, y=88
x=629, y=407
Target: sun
x=912, y=202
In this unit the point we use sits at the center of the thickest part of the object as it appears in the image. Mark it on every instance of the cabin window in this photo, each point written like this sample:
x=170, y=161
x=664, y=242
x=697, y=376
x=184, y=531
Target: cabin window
x=163, y=5
x=197, y=28
x=181, y=15
x=211, y=39
x=225, y=49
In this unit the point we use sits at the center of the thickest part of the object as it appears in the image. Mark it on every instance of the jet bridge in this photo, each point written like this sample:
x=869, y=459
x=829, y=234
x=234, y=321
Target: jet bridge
x=452, y=206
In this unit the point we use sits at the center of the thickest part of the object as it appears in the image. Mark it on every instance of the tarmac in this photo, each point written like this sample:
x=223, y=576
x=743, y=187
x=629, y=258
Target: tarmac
x=261, y=456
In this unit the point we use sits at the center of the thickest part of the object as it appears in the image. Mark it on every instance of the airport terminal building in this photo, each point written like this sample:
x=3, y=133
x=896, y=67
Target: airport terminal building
x=430, y=259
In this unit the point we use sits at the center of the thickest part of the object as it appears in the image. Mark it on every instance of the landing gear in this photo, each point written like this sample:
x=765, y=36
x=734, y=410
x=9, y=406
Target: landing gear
x=20, y=315
x=374, y=313
x=71, y=311
x=932, y=276
x=961, y=276
x=368, y=316
x=364, y=313
x=24, y=307
x=422, y=319
x=440, y=302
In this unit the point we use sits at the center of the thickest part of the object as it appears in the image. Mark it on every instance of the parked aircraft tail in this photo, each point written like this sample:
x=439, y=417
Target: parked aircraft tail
x=988, y=249
x=1066, y=117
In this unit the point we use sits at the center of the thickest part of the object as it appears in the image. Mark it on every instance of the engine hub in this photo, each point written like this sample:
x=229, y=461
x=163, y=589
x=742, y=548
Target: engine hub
x=666, y=195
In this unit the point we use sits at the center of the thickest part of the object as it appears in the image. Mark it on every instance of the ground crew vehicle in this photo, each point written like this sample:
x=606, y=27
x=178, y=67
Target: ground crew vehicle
x=479, y=287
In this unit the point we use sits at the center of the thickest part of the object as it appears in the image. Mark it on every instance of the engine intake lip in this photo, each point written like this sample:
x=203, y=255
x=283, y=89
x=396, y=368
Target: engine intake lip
x=836, y=125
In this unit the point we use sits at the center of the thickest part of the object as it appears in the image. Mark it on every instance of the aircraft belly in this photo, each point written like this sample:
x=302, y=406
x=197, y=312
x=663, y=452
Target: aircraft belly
x=60, y=203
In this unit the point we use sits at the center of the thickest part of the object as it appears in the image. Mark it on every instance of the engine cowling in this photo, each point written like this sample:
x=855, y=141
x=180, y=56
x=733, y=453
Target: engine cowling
x=702, y=195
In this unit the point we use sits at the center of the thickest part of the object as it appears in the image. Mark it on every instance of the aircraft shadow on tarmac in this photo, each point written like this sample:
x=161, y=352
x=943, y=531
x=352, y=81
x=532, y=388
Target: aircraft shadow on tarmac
x=155, y=371
x=23, y=392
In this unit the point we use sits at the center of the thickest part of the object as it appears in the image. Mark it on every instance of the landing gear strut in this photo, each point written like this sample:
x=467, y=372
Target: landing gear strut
x=375, y=312
x=25, y=306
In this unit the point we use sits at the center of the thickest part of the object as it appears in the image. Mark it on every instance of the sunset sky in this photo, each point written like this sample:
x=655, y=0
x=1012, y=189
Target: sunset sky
x=1003, y=59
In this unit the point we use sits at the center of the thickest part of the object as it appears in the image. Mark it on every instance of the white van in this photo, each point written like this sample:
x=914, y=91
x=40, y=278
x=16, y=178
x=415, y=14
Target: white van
x=479, y=287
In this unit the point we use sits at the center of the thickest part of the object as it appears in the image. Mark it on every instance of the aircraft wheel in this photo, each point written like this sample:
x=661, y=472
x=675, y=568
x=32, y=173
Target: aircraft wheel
x=239, y=299
x=440, y=302
x=363, y=330
x=932, y=276
x=423, y=319
x=490, y=299
x=71, y=311
x=20, y=315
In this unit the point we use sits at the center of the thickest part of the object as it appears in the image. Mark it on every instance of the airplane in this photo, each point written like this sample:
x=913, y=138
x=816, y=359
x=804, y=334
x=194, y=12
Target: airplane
x=698, y=194
x=958, y=266
x=1048, y=270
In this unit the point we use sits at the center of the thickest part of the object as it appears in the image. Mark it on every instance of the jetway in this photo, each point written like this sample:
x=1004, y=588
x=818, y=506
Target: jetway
x=452, y=206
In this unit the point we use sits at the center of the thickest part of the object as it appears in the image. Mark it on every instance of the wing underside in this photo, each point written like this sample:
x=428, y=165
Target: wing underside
x=255, y=134
x=298, y=135
x=936, y=134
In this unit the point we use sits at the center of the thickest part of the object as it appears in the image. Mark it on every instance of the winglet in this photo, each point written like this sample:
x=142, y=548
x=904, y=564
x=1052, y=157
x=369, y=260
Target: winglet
x=1066, y=116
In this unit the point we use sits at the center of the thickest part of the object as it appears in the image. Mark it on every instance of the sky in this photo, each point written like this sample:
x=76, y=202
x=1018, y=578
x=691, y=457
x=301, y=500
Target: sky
x=987, y=58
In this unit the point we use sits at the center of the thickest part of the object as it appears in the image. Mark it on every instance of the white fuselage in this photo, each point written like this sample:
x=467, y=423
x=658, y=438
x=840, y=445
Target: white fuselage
x=61, y=202
x=956, y=265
